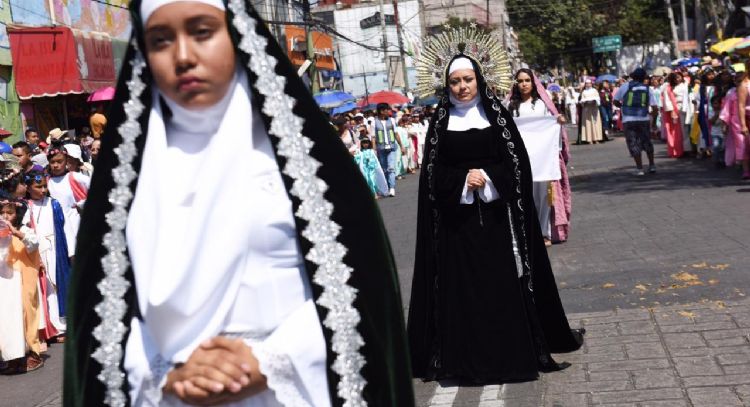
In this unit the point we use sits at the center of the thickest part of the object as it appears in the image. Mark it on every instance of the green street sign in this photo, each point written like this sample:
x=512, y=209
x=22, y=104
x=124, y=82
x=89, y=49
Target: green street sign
x=607, y=44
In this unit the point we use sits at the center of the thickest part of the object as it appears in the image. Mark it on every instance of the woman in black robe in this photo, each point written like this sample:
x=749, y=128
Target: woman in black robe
x=484, y=304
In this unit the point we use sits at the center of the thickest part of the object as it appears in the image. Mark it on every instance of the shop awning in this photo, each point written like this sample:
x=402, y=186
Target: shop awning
x=52, y=61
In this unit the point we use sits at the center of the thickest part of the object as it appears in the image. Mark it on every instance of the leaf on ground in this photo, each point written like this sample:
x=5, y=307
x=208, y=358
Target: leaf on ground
x=701, y=265
x=686, y=314
x=713, y=281
x=661, y=291
x=685, y=276
x=607, y=285
x=720, y=267
x=720, y=305
x=641, y=287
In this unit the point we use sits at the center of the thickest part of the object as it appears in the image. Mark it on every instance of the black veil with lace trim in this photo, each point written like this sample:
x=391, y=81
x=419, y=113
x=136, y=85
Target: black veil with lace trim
x=513, y=181
x=361, y=313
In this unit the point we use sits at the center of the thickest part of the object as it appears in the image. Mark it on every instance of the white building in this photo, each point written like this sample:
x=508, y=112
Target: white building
x=360, y=23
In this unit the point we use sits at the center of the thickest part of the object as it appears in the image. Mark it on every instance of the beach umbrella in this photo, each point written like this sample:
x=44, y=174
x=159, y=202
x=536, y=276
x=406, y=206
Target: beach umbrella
x=384, y=96
x=346, y=107
x=726, y=45
x=554, y=88
x=606, y=77
x=102, y=94
x=332, y=98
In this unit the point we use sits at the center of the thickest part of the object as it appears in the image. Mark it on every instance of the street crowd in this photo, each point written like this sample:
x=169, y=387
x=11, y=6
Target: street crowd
x=387, y=143
x=698, y=110
x=43, y=189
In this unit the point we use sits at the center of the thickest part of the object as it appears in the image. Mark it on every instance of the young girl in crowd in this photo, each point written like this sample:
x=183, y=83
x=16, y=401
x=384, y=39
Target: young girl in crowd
x=45, y=217
x=370, y=166
x=69, y=188
x=19, y=248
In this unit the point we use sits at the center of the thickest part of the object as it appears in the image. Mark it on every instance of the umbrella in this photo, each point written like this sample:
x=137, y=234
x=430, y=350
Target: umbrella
x=662, y=70
x=102, y=94
x=606, y=77
x=332, y=98
x=384, y=96
x=689, y=62
x=554, y=88
x=346, y=107
x=5, y=148
x=726, y=45
x=740, y=46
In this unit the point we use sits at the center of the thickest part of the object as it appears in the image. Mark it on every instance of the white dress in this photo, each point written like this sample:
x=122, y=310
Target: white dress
x=12, y=339
x=44, y=226
x=198, y=277
x=59, y=188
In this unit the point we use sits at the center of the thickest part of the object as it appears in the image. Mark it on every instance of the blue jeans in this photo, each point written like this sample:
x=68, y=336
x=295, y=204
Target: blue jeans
x=387, y=160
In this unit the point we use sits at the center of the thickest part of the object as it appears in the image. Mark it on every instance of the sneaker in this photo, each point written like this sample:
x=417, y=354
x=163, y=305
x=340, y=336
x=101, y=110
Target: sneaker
x=392, y=192
x=639, y=172
x=652, y=169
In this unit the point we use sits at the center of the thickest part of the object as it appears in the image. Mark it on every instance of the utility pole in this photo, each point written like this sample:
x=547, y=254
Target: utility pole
x=488, y=14
x=401, y=51
x=364, y=76
x=385, y=43
x=684, y=21
x=675, y=39
x=312, y=70
x=422, y=18
x=699, y=26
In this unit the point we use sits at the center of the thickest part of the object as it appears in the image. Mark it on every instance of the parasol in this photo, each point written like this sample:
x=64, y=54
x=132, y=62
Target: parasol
x=102, y=94
x=332, y=98
x=384, y=96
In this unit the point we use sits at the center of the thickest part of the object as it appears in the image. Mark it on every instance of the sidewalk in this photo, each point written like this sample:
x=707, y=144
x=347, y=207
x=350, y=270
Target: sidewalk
x=682, y=355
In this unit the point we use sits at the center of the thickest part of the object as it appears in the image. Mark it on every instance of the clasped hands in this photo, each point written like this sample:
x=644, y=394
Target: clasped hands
x=475, y=180
x=221, y=370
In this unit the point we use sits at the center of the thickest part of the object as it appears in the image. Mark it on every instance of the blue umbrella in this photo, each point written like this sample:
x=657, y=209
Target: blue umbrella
x=332, y=98
x=554, y=88
x=606, y=77
x=5, y=148
x=689, y=61
x=346, y=107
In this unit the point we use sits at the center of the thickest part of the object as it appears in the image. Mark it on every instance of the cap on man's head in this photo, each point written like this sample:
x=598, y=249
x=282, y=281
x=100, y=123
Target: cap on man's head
x=639, y=74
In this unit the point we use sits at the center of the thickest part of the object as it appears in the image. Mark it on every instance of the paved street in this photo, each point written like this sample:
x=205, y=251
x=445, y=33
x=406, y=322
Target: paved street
x=655, y=269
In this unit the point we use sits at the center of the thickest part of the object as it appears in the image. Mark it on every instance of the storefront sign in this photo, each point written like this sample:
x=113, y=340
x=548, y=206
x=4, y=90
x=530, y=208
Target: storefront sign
x=51, y=61
x=95, y=60
x=44, y=61
x=297, y=47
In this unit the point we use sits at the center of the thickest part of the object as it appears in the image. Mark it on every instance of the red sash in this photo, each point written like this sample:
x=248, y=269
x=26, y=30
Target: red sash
x=79, y=191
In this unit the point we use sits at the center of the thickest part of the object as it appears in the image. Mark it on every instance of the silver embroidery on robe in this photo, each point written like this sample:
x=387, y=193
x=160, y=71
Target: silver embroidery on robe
x=326, y=252
x=111, y=330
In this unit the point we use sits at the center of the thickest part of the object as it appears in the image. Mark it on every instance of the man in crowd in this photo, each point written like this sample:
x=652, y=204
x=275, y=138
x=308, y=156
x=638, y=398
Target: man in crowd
x=22, y=151
x=386, y=142
x=635, y=100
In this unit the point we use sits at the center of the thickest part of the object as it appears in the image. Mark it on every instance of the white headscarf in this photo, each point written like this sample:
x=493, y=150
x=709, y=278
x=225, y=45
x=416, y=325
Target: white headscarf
x=149, y=6
x=184, y=243
x=466, y=115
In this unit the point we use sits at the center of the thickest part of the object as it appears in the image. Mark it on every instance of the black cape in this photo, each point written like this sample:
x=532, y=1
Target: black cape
x=471, y=316
x=386, y=371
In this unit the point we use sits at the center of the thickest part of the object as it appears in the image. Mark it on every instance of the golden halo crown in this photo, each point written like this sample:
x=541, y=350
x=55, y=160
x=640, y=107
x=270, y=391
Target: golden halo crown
x=485, y=49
